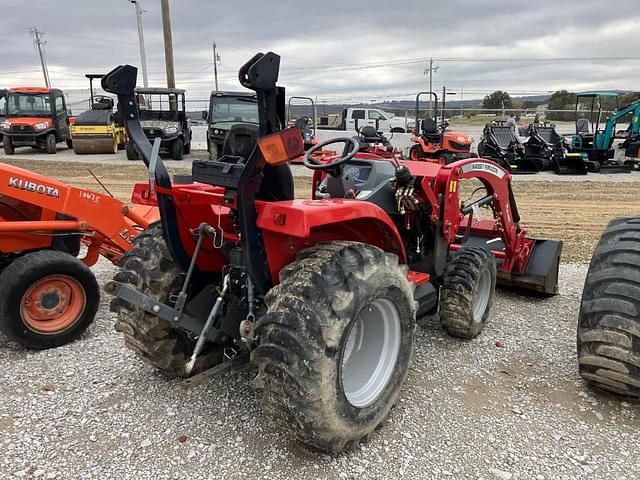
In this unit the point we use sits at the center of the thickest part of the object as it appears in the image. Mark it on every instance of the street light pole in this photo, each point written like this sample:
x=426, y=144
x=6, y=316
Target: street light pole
x=143, y=57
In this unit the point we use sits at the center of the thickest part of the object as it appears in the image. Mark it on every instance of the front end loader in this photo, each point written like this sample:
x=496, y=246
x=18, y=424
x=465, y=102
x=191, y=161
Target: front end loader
x=48, y=295
x=320, y=295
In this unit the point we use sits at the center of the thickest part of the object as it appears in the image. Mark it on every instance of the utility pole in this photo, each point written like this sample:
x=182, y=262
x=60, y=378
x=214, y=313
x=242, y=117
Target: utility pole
x=168, y=44
x=461, y=99
x=39, y=43
x=216, y=59
x=143, y=57
x=430, y=71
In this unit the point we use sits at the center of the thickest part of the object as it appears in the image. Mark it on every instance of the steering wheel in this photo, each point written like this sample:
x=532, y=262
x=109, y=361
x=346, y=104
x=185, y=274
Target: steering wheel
x=310, y=162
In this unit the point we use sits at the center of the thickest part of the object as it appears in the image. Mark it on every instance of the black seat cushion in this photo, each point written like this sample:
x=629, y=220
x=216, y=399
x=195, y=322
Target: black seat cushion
x=240, y=140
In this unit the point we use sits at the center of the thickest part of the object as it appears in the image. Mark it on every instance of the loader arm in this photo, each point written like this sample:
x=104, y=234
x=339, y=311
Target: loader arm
x=603, y=140
x=106, y=224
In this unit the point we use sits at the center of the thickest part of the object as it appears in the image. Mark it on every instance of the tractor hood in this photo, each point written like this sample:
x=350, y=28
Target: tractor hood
x=30, y=121
x=159, y=124
x=458, y=137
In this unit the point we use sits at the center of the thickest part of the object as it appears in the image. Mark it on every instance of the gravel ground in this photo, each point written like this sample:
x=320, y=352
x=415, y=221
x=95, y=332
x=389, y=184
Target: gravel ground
x=509, y=404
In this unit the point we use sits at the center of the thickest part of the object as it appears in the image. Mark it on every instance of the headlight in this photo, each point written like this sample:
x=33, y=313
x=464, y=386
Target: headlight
x=171, y=130
x=40, y=126
x=5, y=125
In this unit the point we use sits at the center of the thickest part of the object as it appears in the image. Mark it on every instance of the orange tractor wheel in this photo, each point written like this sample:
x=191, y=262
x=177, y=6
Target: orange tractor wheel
x=47, y=298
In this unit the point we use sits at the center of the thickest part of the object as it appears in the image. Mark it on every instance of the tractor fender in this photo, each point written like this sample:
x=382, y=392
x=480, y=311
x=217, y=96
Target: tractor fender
x=290, y=226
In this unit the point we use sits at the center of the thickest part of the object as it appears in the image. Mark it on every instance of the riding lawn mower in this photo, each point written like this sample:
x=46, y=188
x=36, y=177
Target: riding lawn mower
x=320, y=296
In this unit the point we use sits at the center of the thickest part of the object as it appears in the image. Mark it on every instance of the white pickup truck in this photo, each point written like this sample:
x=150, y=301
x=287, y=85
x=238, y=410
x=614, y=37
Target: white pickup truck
x=353, y=119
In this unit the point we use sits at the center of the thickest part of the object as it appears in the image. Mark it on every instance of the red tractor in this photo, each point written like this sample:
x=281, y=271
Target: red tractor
x=433, y=142
x=320, y=295
x=48, y=294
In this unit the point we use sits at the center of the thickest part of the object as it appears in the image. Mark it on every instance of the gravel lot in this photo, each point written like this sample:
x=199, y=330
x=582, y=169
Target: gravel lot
x=509, y=404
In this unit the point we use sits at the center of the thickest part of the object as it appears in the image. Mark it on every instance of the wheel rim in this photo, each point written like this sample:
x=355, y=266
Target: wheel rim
x=371, y=352
x=413, y=154
x=53, y=304
x=481, y=299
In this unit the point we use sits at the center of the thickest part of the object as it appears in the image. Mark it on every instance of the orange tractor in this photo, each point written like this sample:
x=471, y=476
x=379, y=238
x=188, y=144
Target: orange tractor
x=433, y=142
x=48, y=296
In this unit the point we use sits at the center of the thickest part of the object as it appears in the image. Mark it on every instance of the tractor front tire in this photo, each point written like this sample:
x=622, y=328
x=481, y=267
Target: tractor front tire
x=7, y=144
x=177, y=149
x=47, y=299
x=467, y=292
x=149, y=269
x=416, y=154
x=608, y=337
x=50, y=143
x=132, y=153
x=335, y=343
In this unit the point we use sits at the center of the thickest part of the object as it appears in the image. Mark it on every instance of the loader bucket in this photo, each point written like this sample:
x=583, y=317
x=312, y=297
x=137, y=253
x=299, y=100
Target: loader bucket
x=94, y=144
x=571, y=164
x=541, y=274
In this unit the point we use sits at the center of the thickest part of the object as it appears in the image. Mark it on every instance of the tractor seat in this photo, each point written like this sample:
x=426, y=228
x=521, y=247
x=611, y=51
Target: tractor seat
x=369, y=134
x=430, y=130
x=277, y=182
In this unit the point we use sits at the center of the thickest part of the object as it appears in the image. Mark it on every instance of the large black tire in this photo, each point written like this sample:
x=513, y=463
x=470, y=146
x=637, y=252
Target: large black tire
x=467, y=292
x=609, y=321
x=187, y=147
x=149, y=268
x=132, y=153
x=177, y=149
x=7, y=145
x=50, y=143
x=33, y=286
x=325, y=294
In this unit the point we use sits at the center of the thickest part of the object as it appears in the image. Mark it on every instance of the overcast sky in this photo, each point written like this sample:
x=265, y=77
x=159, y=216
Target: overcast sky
x=348, y=50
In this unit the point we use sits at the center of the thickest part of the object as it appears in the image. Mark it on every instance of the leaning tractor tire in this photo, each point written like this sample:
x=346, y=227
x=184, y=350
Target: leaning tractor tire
x=335, y=343
x=609, y=321
x=149, y=268
x=467, y=292
x=47, y=299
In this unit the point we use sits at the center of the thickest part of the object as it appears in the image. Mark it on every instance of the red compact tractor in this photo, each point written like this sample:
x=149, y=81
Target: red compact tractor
x=320, y=295
x=433, y=142
x=48, y=296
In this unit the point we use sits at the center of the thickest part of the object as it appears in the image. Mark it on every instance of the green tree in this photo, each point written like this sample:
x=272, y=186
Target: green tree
x=497, y=100
x=628, y=97
x=561, y=100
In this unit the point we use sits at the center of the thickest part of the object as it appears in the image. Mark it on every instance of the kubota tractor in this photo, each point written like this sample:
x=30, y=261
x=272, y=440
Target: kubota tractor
x=433, y=142
x=320, y=295
x=35, y=117
x=609, y=319
x=49, y=296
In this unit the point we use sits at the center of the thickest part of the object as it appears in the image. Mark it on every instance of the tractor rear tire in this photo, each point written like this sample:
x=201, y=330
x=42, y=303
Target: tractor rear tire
x=7, y=144
x=149, y=268
x=132, y=153
x=608, y=337
x=467, y=292
x=335, y=343
x=416, y=154
x=47, y=299
x=177, y=149
x=50, y=143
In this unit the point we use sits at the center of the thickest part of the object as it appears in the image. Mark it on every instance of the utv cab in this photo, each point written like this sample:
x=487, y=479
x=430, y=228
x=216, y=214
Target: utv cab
x=35, y=117
x=227, y=109
x=163, y=115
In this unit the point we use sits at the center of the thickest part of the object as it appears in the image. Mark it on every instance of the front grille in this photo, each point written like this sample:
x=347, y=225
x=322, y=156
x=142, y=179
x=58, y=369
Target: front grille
x=22, y=138
x=461, y=147
x=21, y=129
x=152, y=133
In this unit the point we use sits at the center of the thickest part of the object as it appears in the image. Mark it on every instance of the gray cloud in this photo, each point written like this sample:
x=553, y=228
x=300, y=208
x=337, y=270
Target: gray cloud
x=353, y=50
